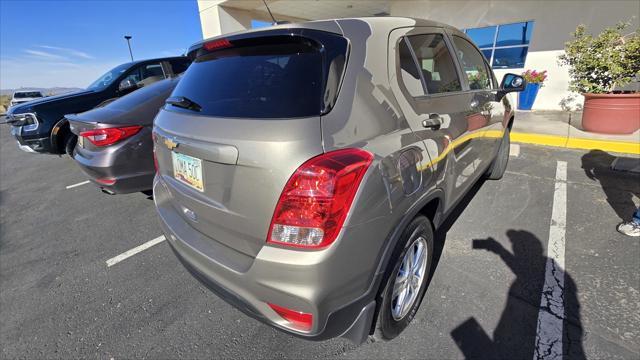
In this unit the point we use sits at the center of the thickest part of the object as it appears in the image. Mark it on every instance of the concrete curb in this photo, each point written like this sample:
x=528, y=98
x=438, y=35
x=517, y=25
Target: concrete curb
x=576, y=143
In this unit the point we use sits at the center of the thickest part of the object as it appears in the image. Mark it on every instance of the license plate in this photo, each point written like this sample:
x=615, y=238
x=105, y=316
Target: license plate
x=188, y=170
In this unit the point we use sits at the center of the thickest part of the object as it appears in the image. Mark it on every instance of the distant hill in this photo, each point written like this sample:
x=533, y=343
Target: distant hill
x=46, y=91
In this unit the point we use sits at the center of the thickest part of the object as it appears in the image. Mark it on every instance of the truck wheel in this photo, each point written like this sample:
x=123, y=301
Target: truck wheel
x=407, y=282
x=499, y=166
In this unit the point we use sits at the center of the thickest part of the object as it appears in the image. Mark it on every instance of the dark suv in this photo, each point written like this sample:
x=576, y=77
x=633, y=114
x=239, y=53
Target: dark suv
x=40, y=126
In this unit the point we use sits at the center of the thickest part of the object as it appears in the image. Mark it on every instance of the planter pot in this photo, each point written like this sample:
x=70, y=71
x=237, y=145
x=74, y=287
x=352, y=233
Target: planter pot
x=527, y=97
x=611, y=113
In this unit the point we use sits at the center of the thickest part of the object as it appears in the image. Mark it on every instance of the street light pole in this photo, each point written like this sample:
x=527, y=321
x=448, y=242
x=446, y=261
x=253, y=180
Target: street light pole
x=128, y=37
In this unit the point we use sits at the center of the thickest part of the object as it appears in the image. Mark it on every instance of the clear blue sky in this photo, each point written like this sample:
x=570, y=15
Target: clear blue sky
x=70, y=43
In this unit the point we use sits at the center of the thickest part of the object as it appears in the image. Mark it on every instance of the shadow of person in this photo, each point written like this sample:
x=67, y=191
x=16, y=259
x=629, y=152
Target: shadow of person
x=516, y=334
x=596, y=165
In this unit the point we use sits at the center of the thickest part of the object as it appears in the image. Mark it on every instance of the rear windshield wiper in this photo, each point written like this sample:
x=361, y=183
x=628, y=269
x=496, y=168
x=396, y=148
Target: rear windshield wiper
x=183, y=102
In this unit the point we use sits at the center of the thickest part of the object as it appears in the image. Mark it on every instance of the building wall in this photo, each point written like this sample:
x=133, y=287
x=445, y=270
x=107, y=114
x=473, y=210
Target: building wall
x=217, y=19
x=554, y=23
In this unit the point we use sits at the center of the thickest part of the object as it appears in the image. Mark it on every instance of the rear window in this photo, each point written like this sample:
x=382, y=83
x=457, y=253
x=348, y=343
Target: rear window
x=268, y=77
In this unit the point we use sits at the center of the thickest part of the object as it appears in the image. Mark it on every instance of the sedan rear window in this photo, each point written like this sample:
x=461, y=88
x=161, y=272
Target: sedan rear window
x=275, y=77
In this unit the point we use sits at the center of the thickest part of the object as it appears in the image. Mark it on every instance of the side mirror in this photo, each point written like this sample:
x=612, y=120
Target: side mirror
x=512, y=82
x=127, y=84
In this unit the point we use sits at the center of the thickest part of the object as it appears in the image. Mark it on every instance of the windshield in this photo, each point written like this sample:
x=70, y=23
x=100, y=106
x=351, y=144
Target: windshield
x=108, y=78
x=29, y=94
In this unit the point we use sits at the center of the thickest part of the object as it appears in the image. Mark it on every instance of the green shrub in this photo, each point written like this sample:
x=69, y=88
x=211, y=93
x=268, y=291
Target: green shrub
x=599, y=64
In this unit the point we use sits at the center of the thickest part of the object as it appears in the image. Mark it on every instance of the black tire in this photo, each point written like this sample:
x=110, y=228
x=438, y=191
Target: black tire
x=70, y=141
x=499, y=165
x=387, y=327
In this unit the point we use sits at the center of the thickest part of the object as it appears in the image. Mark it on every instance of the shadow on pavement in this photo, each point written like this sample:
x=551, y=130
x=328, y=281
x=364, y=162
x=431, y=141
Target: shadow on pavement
x=515, y=335
x=596, y=165
x=441, y=234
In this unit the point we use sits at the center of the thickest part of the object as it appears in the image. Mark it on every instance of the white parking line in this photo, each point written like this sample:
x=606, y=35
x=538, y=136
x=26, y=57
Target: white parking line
x=551, y=313
x=514, y=150
x=78, y=184
x=135, y=250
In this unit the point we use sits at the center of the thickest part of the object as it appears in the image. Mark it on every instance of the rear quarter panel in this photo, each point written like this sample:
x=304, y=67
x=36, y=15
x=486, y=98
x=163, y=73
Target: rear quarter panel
x=368, y=116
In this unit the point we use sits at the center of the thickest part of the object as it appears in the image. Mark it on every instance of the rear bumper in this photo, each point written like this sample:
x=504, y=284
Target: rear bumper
x=273, y=276
x=129, y=164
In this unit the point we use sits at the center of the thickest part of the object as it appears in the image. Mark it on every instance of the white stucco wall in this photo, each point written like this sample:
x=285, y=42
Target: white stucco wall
x=217, y=19
x=554, y=23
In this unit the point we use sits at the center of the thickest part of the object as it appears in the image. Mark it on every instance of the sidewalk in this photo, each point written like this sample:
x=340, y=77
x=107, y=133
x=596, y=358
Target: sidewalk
x=564, y=129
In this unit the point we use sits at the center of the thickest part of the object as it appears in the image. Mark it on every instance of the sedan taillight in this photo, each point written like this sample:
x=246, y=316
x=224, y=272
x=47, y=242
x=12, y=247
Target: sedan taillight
x=109, y=136
x=316, y=199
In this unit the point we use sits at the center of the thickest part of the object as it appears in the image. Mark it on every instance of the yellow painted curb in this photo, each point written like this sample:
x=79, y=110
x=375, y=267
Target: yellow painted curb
x=586, y=144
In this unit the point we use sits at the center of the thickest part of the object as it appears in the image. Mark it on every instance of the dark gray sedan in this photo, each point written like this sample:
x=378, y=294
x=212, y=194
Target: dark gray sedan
x=114, y=141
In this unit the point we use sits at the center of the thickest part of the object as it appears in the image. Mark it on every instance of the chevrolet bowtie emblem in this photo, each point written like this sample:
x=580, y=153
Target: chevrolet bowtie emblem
x=170, y=144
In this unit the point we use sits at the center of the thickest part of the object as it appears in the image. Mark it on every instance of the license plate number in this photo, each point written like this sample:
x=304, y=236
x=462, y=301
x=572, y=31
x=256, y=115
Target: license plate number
x=188, y=170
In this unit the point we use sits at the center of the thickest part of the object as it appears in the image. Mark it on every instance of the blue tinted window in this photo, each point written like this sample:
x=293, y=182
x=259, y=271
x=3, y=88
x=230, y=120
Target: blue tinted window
x=507, y=44
x=510, y=57
x=255, y=24
x=514, y=34
x=483, y=37
x=487, y=54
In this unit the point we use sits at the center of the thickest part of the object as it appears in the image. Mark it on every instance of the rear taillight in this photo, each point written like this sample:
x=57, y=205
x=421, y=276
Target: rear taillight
x=316, y=199
x=109, y=136
x=299, y=320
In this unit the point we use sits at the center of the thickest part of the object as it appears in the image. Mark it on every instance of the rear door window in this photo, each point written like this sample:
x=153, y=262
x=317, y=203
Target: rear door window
x=140, y=73
x=152, y=70
x=435, y=63
x=277, y=77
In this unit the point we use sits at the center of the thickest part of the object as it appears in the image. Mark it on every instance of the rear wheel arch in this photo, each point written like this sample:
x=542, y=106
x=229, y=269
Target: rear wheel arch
x=431, y=206
x=433, y=211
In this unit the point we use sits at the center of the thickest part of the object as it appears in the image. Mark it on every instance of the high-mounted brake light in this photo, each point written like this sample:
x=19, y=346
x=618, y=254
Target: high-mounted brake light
x=109, y=136
x=216, y=44
x=316, y=199
x=299, y=320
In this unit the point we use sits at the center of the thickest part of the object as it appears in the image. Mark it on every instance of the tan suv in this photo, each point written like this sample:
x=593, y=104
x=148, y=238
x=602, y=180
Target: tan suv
x=303, y=168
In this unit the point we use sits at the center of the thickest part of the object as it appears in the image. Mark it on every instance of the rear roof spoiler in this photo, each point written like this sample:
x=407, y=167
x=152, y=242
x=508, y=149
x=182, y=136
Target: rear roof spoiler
x=328, y=26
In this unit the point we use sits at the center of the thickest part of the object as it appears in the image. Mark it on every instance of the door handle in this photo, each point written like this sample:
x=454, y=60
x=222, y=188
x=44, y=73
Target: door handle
x=433, y=122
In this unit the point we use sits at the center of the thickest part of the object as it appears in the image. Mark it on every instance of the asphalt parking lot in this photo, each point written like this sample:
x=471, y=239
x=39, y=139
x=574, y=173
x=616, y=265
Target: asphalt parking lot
x=59, y=299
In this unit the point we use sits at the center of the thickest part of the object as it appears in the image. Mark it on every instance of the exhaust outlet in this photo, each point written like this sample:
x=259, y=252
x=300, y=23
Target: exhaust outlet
x=107, y=191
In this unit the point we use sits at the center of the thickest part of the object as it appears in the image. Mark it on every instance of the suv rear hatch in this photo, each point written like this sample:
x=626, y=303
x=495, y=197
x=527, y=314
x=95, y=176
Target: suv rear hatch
x=245, y=115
